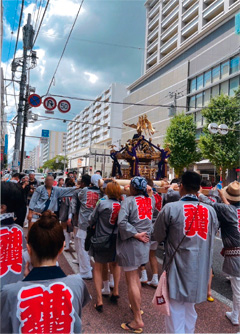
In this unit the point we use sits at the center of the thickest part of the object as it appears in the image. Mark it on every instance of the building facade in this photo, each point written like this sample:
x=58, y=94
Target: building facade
x=95, y=128
x=192, y=55
x=56, y=145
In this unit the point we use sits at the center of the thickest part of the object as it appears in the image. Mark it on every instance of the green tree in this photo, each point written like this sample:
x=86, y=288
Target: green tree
x=222, y=150
x=181, y=139
x=55, y=163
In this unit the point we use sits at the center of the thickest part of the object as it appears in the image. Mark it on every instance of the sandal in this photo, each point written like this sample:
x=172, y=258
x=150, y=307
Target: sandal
x=114, y=299
x=141, y=311
x=99, y=308
x=128, y=328
x=210, y=299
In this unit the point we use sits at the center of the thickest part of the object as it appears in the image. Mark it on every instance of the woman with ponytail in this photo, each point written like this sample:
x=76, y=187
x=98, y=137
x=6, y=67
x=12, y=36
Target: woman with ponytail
x=46, y=300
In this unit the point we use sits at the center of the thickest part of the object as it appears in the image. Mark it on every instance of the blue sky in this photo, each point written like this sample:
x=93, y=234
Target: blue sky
x=89, y=66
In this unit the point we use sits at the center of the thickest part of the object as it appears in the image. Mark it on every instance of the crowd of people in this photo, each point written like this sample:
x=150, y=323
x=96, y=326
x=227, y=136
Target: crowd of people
x=112, y=232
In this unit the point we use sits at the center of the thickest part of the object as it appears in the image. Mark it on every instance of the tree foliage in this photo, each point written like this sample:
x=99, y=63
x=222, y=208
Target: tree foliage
x=55, y=163
x=181, y=139
x=222, y=150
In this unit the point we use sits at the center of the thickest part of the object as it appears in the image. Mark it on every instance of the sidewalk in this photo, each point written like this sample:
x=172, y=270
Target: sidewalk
x=211, y=316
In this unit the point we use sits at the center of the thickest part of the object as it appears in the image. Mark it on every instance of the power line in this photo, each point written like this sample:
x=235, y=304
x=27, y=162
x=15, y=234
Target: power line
x=19, y=25
x=40, y=24
x=12, y=29
x=38, y=13
x=65, y=46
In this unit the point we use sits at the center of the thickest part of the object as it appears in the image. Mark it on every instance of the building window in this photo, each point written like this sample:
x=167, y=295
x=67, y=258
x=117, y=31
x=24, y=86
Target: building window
x=206, y=97
x=234, y=64
x=225, y=69
x=207, y=78
x=216, y=74
x=200, y=82
x=224, y=88
x=199, y=100
x=234, y=84
x=193, y=85
x=215, y=91
x=192, y=102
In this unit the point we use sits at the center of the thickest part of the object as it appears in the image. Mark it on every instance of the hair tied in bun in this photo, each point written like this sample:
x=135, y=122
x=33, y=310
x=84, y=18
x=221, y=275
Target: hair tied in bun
x=47, y=220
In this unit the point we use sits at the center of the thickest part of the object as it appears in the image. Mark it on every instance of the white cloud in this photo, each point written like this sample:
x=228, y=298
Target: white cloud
x=92, y=77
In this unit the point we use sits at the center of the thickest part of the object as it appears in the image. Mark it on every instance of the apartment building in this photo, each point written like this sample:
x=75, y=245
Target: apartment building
x=91, y=132
x=192, y=55
x=56, y=145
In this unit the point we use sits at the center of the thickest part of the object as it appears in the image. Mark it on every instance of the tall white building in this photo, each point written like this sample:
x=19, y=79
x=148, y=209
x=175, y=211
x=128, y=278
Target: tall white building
x=192, y=55
x=56, y=145
x=172, y=25
x=95, y=128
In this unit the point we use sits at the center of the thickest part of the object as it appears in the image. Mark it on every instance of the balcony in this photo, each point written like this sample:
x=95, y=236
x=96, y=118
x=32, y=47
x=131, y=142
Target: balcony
x=170, y=18
x=169, y=45
x=190, y=28
x=153, y=34
x=169, y=32
x=153, y=23
x=190, y=13
x=213, y=10
x=188, y=3
x=169, y=6
x=154, y=11
x=153, y=46
x=152, y=59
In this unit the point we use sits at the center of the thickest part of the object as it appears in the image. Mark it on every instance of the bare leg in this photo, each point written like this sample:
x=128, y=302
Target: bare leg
x=116, y=274
x=134, y=295
x=98, y=281
x=210, y=283
x=153, y=262
x=105, y=272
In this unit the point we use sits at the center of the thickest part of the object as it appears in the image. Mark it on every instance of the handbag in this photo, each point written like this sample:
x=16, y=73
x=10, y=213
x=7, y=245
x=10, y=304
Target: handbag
x=104, y=242
x=90, y=233
x=161, y=296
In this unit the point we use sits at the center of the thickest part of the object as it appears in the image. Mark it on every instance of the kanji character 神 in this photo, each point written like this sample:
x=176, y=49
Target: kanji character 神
x=144, y=205
x=46, y=309
x=92, y=199
x=196, y=220
x=115, y=211
x=10, y=250
x=158, y=200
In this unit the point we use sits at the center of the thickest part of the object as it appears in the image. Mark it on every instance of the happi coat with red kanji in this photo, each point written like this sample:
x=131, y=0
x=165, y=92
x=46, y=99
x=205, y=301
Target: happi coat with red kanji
x=189, y=271
x=47, y=306
x=13, y=250
x=135, y=216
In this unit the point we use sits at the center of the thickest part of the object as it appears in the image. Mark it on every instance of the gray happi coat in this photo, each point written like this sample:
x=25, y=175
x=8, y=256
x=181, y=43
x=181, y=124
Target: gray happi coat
x=13, y=253
x=189, y=271
x=40, y=197
x=135, y=216
x=65, y=210
x=17, y=308
x=88, y=198
x=228, y=216
x=105, y=217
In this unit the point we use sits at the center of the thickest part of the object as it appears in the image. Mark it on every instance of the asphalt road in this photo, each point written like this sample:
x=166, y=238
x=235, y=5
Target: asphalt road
x=219, y=283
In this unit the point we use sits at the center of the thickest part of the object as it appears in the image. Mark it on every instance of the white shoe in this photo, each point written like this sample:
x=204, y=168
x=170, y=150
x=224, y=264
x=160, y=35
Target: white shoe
x=153, y=283
x=75, y=261
x=106, y=292
x=111, y=281
x=233, y=321
x=144, y=277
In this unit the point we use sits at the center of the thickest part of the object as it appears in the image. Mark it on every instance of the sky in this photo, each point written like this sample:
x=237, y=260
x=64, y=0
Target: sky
x=106, y=46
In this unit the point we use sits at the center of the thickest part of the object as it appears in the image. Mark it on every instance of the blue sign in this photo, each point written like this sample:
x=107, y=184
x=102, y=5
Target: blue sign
x=237, y=24
x=34, y=100
x=45, y=133
x=6, y=144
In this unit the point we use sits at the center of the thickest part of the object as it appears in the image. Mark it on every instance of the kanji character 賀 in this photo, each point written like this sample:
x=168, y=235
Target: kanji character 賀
x=115, y=211
x=92, y=199
x=46, y=309
x=196, y=221
x=10, y=250
x=144, y=205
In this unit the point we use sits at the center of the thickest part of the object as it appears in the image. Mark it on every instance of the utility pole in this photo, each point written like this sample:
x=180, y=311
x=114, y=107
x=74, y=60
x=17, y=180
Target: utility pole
x=28, y=33
x=25, y=121
x=173, y=107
